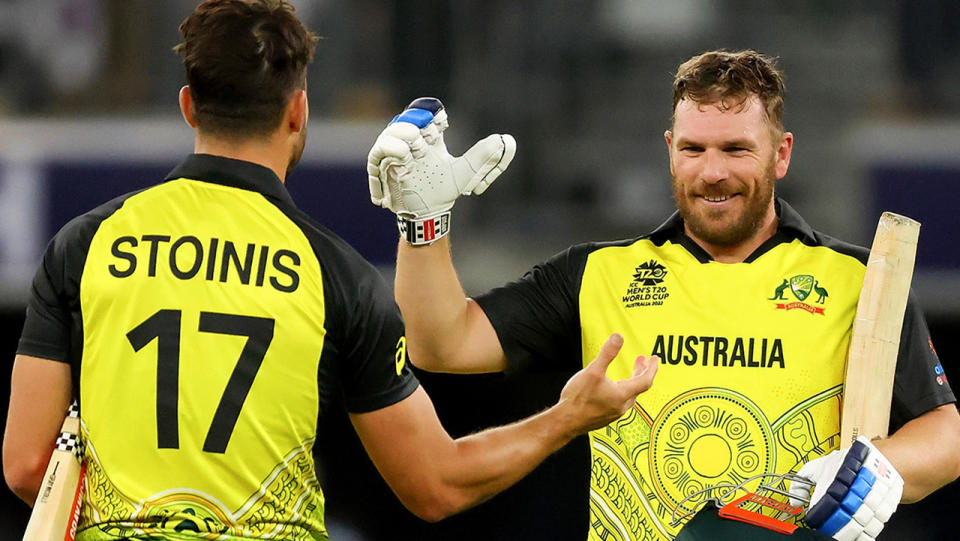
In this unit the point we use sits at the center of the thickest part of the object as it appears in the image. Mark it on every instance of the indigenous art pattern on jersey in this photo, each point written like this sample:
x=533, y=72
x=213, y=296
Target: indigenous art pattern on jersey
x=288, y=504
x=744, y=387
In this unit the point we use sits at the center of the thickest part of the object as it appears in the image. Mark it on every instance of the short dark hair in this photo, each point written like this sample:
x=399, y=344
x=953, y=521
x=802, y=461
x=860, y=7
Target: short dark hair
x=719, y=76
x=243, y=59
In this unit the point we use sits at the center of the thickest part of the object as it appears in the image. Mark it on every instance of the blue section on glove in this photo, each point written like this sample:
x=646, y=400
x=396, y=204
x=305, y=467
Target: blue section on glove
x=851, y=502
x=837, y=520
x=859, y=451
x=867, y=476
x=855, y=456
x=864, y=482
x=819, y=513
x=842, y=499
x=420, y=118
x=846, y=476
x=430, y=104
x=837, y=491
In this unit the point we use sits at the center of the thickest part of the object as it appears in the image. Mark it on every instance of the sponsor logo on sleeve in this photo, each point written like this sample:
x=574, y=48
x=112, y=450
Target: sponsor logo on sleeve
x=941, y=376
x=400, y=358
x=801, y=287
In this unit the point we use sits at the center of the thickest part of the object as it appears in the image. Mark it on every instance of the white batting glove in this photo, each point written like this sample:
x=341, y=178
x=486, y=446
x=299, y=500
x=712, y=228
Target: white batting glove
x=412, y=174
x=856, y=491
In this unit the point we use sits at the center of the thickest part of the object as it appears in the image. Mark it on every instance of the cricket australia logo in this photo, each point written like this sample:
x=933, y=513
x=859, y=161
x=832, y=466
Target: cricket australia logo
x=645, y=289
x=802, y=287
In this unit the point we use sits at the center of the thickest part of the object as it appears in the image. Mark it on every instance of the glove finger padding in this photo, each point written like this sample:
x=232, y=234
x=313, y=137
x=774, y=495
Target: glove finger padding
x=394, y=149
x=411, y=173
x=857, y=490
x=476, y=170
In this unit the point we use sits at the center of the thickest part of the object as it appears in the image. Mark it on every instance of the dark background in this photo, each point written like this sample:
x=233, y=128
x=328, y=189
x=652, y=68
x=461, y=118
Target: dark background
x=584, y=86
x=550, y=504
x=547, y=505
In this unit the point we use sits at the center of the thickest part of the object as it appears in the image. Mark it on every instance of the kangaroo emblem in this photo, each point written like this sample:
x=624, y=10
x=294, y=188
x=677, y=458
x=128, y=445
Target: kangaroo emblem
x=820, y=291
x=778, y=294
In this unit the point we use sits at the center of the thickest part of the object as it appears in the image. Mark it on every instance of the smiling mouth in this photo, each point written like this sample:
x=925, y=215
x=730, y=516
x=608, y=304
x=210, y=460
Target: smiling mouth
x=716, y=198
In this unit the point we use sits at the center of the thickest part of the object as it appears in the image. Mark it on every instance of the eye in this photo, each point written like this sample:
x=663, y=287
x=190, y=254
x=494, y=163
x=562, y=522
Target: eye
x=691, y=148
x=735, y=149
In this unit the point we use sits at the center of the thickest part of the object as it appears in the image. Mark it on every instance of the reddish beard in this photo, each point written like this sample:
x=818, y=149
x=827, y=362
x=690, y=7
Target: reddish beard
x=714, y=226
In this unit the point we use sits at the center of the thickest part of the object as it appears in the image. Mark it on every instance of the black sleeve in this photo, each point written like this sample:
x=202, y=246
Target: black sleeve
x=365, y=333
x=920, y=384
x=376, y=370
x=537, y=318
x=52, y=329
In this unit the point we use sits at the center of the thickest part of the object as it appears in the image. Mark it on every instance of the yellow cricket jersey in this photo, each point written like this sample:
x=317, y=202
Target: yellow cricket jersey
x=208, y=321
x=752, y=360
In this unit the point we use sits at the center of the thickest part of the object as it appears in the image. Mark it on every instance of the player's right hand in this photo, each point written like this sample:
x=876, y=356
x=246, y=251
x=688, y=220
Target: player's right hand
x=596, y=399
x=856, y=490
x=411, y=173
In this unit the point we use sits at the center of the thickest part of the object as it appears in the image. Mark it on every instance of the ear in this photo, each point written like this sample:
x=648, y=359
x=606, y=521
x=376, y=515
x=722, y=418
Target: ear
x=298, y=111
x=784, y=150
x=668, y=137
x=186, y=106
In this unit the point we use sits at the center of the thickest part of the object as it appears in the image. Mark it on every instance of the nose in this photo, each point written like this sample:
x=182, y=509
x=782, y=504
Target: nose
x=714, y=166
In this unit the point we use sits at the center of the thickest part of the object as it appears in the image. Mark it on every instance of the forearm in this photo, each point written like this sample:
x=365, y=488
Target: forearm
x=446, y=332
x=485, y=463
x=39, y=395
x=924, y=451
x=435, y=476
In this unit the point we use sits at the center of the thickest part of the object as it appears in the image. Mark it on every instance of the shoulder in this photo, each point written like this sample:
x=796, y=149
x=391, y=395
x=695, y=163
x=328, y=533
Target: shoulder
x=79, y=231
x=859, y=253
x=344, y=267
x=576, y=256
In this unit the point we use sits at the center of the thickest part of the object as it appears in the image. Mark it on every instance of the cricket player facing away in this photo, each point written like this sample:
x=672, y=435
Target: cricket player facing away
x=749, y=309
x=205, y=323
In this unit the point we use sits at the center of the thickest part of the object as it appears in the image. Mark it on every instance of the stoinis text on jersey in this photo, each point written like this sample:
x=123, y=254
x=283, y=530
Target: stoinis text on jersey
x=187, y=258
x=719, y=351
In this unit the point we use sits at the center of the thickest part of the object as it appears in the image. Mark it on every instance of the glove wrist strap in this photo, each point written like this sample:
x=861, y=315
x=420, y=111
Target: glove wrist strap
x=419, y=232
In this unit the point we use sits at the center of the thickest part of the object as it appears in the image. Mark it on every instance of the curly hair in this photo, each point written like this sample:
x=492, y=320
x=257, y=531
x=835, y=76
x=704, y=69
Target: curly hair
x=730, y=79
x=243, y=60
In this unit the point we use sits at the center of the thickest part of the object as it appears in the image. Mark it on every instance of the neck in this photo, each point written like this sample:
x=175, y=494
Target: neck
x=739, y=252
x=267, y=152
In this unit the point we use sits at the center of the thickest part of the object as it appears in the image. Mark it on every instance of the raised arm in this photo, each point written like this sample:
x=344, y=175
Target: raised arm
x=412, y=174
x=436, y=476
x=446, y=332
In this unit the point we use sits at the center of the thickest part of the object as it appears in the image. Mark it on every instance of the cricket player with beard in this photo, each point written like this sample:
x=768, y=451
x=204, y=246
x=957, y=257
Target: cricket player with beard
x=749, y=309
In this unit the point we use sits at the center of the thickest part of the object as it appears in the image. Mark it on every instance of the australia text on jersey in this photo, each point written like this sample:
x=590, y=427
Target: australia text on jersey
x=719, y=351
x=184, y=257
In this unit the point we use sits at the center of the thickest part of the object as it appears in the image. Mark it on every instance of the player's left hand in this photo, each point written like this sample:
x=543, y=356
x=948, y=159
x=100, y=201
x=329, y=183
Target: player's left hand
x=856, y=490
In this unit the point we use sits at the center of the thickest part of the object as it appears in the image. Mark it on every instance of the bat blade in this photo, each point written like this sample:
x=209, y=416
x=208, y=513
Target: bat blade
x=57, y=509
x=872, y=359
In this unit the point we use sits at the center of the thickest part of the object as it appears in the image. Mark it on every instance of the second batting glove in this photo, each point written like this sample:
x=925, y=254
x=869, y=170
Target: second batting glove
x=856, y=491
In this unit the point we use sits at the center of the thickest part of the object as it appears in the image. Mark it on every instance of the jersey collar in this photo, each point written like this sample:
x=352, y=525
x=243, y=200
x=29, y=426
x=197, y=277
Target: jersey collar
x=790, y=226
x=235, y=173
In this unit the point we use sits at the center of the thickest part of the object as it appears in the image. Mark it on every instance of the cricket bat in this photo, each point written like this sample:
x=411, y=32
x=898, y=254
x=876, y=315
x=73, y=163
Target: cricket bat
x=57, y=509
x=872, y=359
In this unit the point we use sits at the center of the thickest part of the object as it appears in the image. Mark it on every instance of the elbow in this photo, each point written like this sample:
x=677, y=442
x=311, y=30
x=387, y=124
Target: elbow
x=435, y=504
x=432, y=514
x=24, y=477
x=424, y=358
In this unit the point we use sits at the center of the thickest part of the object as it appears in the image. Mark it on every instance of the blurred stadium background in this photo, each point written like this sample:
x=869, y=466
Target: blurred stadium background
x=88, y=110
